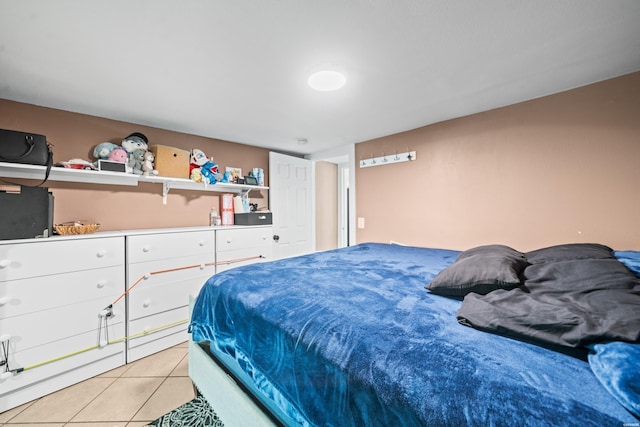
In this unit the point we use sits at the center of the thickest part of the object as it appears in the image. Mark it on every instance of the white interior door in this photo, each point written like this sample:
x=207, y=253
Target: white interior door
x=291, y=201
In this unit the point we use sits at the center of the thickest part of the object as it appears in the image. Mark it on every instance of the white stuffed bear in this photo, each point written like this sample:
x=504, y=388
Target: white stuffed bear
x=147, y=164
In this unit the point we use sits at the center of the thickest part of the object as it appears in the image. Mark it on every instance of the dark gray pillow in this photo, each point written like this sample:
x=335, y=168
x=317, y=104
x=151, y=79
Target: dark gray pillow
x=569, y=251
x=491, y=250
x=481, y=270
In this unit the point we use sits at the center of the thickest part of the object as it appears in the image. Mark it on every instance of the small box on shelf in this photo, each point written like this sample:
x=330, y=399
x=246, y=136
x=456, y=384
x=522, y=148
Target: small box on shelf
x=253, y=218
x=170, y=161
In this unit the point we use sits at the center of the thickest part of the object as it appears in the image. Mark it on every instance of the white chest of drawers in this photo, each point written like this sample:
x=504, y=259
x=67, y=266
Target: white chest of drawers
x=170, y=266
x=241, y=246
x=51, y=293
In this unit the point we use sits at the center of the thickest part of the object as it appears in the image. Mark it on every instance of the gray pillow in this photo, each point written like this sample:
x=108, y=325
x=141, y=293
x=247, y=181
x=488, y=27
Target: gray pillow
x=481, y=270
x=569, y=252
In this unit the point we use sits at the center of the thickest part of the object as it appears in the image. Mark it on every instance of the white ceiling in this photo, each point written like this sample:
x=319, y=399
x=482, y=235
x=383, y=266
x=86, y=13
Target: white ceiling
x=236, y=69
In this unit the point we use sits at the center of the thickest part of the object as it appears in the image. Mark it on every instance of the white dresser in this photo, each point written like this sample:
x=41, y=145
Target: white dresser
x=241, y=246
x=51, y=294
x=53, y=291
x=172, y=265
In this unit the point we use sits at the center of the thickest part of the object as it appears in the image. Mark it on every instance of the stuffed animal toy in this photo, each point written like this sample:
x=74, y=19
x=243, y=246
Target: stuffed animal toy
x=118, y=154
x=210, y=172
x=147, y=164
x=197, y=160
x=196, y=175
x=136, y=159
x=133, y=142
x=102, y=150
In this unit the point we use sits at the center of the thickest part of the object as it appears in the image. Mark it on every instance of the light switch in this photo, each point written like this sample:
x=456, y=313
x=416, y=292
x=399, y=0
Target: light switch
x=360, y=222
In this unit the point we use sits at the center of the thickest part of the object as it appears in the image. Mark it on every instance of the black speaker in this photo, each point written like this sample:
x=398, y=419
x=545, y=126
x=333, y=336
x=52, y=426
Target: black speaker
x=25, y=212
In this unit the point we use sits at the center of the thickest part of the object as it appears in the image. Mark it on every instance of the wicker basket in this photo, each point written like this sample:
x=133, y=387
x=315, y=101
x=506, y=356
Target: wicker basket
x=70, y=228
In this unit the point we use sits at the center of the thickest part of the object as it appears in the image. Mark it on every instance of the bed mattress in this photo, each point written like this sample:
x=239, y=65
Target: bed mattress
x=350, y=337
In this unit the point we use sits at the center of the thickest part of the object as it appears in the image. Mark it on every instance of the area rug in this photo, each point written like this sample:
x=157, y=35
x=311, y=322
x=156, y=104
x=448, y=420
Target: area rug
x=196, y=413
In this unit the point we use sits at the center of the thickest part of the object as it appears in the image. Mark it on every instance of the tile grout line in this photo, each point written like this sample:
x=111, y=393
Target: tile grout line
x=113, y=379
x=156, y=390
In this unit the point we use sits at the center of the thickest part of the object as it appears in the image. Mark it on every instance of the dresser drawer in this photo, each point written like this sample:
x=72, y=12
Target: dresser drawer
x=239, y=238
x=43, y=379
x=38, y=330
x=157, y=332
x=169, y=245
x=236, y=258
x=23, y=260
x=162, y=292
x=18, y=297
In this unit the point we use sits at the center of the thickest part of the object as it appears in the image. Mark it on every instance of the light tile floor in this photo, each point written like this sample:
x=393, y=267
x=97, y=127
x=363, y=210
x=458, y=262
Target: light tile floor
x=130, y=396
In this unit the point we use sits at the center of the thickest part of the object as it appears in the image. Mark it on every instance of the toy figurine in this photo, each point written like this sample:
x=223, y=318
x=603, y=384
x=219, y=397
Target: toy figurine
x=196, y=161
x=147, y=164
x=135, y=143
x=210, y=172
x=118, y=154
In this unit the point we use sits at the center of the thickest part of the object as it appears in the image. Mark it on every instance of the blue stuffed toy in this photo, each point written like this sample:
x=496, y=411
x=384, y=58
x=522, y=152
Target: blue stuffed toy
x=103, y=150
x=210, y=172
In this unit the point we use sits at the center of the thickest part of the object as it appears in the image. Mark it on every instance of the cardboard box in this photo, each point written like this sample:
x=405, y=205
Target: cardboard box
x=226, y=202
x=227, y=218
x=170, y=161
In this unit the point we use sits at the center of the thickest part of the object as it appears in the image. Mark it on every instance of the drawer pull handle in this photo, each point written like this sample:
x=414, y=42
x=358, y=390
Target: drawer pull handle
x=262, y=217
x=101, y=284
x=5, y=263
x=101, y=253
x=146, y=303
x=228, y=240
x=5, y=300
x=146, y=249
x=201, y=243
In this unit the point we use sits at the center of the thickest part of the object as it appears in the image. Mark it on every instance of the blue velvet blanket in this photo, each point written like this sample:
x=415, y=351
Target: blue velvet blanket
x=350, y=337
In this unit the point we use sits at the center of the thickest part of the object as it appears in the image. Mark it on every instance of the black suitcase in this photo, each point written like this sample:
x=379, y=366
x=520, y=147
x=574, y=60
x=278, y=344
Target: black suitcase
x=25, y=212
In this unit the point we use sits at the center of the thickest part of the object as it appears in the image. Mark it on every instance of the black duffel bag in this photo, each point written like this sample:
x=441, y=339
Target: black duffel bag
x=25, y=148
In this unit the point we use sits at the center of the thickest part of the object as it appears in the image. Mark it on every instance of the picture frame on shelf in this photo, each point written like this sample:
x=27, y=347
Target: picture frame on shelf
x=235, y=174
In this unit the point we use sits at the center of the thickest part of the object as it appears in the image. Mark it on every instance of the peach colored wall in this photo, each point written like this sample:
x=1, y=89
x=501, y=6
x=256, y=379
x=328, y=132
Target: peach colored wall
x=563, y=168
x=120, y=207
x=326, y=206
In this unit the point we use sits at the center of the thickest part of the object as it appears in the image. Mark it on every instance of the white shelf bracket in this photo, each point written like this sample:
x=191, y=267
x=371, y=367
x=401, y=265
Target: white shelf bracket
x=166, y=186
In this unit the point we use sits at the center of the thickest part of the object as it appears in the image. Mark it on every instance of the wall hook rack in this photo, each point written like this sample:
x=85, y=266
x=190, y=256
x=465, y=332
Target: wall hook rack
x=388, y=159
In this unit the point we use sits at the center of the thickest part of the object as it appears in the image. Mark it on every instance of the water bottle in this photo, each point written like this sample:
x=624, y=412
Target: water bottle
x=214, y=219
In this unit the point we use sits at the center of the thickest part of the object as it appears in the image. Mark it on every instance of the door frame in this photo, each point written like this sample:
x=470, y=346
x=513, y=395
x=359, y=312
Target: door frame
x=344, y=157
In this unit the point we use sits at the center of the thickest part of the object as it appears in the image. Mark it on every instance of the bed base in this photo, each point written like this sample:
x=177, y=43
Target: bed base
x=233, y=404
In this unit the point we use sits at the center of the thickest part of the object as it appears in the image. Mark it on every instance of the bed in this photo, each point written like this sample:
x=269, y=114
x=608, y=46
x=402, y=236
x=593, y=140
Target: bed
x=381, y=335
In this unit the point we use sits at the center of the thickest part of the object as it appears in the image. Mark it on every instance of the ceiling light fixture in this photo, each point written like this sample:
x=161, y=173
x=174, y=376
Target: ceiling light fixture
x=327, y=80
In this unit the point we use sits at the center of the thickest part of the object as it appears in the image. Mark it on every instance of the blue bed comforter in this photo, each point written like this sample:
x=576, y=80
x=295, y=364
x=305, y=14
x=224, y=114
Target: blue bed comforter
x=350, y=337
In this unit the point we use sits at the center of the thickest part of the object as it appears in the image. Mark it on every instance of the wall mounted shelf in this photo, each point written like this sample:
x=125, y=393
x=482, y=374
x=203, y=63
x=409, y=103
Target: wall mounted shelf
x=187, y=184
x=19, y=171
x=15, y=170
